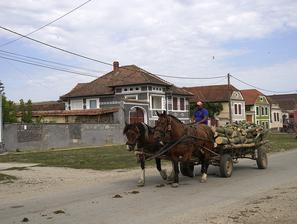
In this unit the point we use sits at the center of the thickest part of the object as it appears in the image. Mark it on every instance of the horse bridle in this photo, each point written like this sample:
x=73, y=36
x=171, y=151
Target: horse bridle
x=135, y=140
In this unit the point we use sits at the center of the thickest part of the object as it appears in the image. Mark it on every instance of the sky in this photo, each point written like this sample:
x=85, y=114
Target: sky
x=253, y=40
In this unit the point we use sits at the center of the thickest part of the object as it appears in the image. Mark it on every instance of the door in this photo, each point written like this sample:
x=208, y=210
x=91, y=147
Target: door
x=249, y=118
x=136, y=115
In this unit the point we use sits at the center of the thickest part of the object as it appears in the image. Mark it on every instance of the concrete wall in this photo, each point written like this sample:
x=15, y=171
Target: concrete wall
x=47, y=136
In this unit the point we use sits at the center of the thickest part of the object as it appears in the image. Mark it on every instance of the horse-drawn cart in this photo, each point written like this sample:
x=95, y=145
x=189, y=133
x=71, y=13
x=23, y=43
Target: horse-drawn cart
x=225, y=155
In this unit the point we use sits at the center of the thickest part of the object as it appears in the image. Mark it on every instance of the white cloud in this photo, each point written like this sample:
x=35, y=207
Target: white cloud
x=172, y=37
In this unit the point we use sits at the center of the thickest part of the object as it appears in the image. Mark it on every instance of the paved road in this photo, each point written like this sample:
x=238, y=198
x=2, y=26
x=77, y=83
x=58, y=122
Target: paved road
x=192, y=202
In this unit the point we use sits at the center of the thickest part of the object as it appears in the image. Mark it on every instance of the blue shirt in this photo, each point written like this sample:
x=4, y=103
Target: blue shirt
x=200, y=114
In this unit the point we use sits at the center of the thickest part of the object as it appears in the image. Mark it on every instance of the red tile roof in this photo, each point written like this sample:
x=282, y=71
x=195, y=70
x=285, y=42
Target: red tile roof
x=214, y=93
x=122, y=76
x=285, y=101
x=48, y=106
x=89, y=112
x=250, y=96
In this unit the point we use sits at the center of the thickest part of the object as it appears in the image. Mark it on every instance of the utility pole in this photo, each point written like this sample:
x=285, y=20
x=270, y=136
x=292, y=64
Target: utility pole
x=1, y=117
x=229, y=94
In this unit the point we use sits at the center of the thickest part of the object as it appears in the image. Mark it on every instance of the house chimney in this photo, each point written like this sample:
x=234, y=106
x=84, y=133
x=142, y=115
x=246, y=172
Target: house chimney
x=116, y=66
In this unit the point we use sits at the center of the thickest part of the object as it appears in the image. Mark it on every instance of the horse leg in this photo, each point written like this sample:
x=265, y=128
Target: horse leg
x=141, y=180
x=204, y=168
x=176, y=172
x=162, y=172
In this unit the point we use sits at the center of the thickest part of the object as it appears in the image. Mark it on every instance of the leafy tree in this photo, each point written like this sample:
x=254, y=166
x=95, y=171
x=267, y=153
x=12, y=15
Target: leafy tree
x=26, y=111
x=213, y=108
x=9, y=111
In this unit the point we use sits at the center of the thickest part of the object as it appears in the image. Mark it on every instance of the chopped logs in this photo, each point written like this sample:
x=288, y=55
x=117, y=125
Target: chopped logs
x=239, y=133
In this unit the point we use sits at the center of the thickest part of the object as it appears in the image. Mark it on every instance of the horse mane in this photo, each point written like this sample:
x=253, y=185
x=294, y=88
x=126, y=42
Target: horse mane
x=175, y=118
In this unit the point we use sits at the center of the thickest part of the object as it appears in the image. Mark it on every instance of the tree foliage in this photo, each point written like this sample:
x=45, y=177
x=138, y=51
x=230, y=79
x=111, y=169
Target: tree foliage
x=9, y=111
x=214, y=109
x=26, y=111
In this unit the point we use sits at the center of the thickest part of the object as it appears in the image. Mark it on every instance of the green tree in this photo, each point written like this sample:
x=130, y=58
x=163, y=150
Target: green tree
x=213, y=108
x=26, y=111
x=9, y=111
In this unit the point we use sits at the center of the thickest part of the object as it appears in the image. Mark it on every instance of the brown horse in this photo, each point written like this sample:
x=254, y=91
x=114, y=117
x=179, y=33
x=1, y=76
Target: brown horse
x=141, y=135
x=198, y=142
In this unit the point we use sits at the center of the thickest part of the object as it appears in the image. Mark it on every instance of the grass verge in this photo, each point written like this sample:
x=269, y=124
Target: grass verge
x=113, y=157
x=280, y=142
x=101, y=158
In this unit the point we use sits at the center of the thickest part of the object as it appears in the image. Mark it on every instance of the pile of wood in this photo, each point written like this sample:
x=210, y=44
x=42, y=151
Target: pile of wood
x=241, y=133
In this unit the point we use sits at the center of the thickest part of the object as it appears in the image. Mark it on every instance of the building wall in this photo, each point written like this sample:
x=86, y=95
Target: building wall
x=48, y=136
x=276, y=117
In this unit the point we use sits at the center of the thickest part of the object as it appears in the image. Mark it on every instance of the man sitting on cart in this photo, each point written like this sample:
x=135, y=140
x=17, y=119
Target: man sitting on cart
x=200, y=115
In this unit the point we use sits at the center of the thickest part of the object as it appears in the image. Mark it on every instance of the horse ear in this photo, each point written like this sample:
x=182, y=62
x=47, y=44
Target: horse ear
x=164, y=112
x=158, y=113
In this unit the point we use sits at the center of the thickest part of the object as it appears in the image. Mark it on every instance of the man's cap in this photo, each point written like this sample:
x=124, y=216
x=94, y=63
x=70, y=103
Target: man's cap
x=199, y=103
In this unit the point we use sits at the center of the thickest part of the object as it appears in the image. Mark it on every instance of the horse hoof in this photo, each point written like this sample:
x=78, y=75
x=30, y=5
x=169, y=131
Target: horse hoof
x=203, y=178
x=140, y=183
x=174, y=185
x=163, y=174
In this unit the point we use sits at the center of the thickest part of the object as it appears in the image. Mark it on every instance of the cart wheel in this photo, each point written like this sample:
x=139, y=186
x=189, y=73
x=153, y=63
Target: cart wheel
x=226, y=165
x=262, y=160
x=187, y=169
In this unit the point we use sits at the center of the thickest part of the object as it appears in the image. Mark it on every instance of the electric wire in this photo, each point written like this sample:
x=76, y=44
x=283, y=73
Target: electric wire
x=99, y=61
x=21, y=56
x=36, y=30
x=49, y=67
x=266, y=90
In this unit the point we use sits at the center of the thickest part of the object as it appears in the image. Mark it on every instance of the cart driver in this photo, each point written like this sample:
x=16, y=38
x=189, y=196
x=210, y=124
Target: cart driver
x=200, y=116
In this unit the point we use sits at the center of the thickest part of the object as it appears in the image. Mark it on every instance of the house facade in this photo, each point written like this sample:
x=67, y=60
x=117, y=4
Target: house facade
x=257, y=107
x=134, y=91
x=227, y=95
x=288, y=104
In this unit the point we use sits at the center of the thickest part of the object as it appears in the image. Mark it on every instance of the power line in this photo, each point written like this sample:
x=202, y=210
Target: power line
x=55, y=20
x=49, y=67
x=57, y=48
x=99, y=61
x=256, y=87
x=186, y=77
x=21, y=56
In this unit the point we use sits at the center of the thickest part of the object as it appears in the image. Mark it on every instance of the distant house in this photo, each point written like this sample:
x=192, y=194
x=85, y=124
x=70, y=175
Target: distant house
x=257, y=107
x=278, y=117
x=288, y=105
x=54, y=112
x=132, y=90
x=228, y=96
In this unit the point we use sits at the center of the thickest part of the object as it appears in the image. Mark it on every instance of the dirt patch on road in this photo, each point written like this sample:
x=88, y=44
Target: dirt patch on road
x=276, y=206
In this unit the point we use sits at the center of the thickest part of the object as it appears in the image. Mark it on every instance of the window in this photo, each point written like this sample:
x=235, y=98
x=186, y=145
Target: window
x=182, y=103
x=156, y=102
x=93, y=104
x=76, y=104
x=175, y=107
x=274, y=116
x=132, y=97
x=277, y=116
x=266, y=110
x=237, y=108
x=257, y=110
x=262, y=110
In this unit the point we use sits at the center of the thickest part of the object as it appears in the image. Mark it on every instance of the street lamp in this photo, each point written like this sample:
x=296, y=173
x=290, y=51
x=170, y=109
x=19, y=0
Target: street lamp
x=1, y=116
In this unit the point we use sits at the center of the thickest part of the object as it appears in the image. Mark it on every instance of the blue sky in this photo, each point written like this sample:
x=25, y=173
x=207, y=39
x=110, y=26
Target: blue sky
x=253, y=40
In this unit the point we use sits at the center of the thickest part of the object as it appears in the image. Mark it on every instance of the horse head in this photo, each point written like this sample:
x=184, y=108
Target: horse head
x=162, y=128
x=133, y=134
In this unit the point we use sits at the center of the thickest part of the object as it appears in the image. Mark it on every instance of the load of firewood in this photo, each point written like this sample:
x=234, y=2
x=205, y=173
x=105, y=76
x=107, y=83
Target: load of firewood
x=239, y=133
